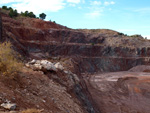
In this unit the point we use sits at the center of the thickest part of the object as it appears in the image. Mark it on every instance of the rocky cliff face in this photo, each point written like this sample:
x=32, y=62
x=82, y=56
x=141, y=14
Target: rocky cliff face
x=98, y=49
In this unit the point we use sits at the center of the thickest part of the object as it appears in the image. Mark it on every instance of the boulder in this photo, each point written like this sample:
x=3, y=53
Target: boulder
x=33, y=61
x=48, y=65
x=41, y=64
x=8, y=106
x=59, y=66
x=37, y=67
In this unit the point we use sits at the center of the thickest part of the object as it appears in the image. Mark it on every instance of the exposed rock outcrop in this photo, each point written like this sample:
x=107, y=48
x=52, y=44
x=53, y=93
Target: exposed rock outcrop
x=98, y=49
x=8, y=106
x=59, y=66
x=45, y=65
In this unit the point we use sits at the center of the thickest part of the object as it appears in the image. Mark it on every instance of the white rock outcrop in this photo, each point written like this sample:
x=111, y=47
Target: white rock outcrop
x=48, y=65
x=8, y=106
x=59, y=66
x=41, y=64
x=37, y=66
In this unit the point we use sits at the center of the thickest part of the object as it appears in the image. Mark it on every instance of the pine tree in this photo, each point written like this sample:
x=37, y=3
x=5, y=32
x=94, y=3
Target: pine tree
x=42, y=16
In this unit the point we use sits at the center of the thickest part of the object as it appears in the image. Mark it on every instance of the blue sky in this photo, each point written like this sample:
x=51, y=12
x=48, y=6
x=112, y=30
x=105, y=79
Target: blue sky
x=127, y=16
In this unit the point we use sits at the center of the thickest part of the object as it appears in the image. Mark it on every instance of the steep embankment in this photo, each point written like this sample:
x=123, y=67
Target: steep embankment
x=50, y=92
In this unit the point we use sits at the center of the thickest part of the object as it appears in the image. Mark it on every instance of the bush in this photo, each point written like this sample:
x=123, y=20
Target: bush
x=136, y=35
x=42, y=16
x=10, y=8
x=9, y=65
x=120, y=34
x=13, y=13
x=28, y=14
x=31, y=111
x=4, y=7
x=31, y=15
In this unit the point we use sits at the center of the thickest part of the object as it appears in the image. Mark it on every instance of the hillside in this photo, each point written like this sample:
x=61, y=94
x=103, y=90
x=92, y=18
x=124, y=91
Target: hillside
x=85, y=84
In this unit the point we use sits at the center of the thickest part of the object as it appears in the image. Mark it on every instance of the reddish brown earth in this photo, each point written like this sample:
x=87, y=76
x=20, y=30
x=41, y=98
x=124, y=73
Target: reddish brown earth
x=120, y=92
x=32, y=89
x=84, y=52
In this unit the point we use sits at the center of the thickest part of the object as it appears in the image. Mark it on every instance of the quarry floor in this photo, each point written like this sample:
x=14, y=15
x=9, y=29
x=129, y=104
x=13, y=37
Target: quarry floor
x=120, y=92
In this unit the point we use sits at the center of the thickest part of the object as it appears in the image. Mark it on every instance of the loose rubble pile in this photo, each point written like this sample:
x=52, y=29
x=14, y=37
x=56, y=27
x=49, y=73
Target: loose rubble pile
x=47, y=66
x=41, y=65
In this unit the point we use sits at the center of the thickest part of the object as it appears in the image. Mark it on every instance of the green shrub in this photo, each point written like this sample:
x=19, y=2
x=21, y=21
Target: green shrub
x=42, y=16
x=120, y=34
x=4, y=7
x=13, y=13
x=28, y=14
x=9, y=65
x=31, y=15
x=9, y=8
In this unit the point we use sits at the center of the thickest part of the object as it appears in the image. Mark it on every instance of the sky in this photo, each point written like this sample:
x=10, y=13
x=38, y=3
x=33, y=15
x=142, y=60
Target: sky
x=127, y=16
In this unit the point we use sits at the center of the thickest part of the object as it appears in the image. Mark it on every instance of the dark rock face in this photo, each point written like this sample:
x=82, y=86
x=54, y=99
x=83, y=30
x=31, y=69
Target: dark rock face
x=85, y=100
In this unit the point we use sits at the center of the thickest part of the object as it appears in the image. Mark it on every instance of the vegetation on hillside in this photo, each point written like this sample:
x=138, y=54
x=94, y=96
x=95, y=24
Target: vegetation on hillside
x=28, y=14
x=9, y=64
x=42, y=16
x=14, y=13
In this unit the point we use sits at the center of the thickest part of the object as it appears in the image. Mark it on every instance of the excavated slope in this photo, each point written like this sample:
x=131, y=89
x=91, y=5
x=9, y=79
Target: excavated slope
x=90, y=51
x=94, y=50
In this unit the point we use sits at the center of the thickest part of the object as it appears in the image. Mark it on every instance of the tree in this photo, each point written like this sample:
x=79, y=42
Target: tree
x=32, y=15
x=9, y=8
x=42, y=16
x=13, y=13
x=4, y=7
x=26, y=13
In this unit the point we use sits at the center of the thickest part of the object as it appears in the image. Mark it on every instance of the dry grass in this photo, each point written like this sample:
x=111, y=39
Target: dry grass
x=9, y=65
x=31, y=111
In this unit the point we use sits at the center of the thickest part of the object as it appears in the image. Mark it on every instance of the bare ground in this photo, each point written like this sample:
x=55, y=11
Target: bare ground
x=120, y=92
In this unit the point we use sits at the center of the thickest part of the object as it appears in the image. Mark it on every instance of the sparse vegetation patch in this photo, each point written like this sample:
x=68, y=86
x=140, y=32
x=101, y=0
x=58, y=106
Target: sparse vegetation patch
x=31, y=111
x=9, y=65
